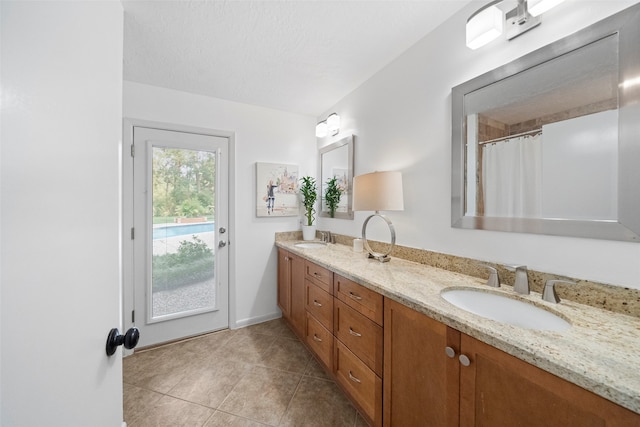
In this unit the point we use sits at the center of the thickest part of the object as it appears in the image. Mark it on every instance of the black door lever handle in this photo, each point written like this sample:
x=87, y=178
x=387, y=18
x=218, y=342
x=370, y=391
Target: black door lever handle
x=129, y=339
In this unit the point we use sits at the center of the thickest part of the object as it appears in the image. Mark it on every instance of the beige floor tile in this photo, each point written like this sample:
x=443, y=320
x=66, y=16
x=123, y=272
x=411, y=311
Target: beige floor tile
x=262, y=395
x=286, y=354
x=319, y=403
x=158, y=372
x=360, y=421
x=208, y=343
x=211, y=385
x=136, y=401
x=222, y=419
x=271, y=327
x=314, y=369
x=247, y=348
x=172, y=412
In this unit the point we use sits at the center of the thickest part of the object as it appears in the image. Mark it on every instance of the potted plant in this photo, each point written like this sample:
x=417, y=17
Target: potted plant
x=309, y=193
x=332, y=195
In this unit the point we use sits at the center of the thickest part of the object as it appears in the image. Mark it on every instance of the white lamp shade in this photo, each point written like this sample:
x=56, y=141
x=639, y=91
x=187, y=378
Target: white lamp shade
x=378, y=191
x=321, y=130
x=538, y=7
x=484, y=25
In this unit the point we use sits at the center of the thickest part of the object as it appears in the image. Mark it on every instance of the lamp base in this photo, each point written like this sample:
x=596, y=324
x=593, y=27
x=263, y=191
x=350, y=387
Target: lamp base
x=382, y=257
x=379, y=257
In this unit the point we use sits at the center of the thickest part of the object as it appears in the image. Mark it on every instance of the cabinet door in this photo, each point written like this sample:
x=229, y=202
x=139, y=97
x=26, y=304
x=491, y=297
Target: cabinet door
x=497, y=389
x=420, y=381
x=298, y=316
x=284, y=283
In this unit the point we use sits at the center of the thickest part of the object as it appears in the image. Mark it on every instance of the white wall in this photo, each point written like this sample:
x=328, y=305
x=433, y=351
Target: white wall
x=261, y=135
x=61, y=116
x=402, y=121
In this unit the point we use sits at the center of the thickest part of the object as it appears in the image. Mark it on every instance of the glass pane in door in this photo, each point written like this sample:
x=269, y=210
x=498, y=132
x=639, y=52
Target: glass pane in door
x=183, y=208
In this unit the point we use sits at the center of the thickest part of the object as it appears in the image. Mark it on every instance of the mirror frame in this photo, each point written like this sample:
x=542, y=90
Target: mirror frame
x=626, y=24
x=348, y=141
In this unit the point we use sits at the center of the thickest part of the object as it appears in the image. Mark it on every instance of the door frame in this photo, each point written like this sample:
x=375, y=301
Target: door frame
x=127, y=249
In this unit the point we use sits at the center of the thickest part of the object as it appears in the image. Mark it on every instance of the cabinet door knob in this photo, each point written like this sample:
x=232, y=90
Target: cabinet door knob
x=316, y=303
x=450, y=352
x=464, y=360
x=354, y=333
x=316, y=338
x=354, y=379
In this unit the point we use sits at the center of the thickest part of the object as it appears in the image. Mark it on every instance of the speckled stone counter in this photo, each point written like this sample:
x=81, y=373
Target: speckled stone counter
x=600, y=352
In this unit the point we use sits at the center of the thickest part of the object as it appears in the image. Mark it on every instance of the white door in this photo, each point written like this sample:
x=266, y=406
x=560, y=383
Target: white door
x=60, y=281
x=180, y=234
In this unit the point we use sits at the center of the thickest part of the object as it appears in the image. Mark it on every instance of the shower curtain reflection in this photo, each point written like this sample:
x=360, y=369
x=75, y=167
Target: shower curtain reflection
x=512, y=177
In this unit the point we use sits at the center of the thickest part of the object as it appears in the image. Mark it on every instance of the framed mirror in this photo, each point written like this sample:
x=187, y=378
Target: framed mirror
x=336, y=161
x=550, y=143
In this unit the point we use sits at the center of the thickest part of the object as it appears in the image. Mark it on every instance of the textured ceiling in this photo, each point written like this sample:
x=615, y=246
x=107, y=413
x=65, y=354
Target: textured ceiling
x=301, y=56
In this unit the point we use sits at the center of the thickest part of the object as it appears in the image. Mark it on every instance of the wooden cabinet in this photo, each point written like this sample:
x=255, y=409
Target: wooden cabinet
x=499, y=389
x=420, y=387
x=358, y=353
x=284, y=283
x=291, y=274
x=423, y=385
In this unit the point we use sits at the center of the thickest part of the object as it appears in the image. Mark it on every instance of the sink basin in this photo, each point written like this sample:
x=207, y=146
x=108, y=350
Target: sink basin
x=310, y=245
x=506, y=310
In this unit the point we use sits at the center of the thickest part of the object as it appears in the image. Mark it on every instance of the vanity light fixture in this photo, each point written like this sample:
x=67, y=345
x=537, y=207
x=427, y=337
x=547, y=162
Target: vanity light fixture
x=488, y=22
x=329, y=126
x=378, y=191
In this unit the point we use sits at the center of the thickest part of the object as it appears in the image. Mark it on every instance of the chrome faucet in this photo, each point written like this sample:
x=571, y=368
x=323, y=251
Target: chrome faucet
x=521, y=284
x=494, y=279
x=327, y=237
x=549, y=293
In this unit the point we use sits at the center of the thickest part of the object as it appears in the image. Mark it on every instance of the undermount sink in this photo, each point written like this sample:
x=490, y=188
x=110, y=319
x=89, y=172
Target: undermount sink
x=310, y=245
x=506, y=310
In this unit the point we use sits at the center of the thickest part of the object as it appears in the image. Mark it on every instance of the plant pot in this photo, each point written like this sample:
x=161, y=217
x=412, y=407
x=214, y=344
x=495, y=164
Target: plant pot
x=308, y=232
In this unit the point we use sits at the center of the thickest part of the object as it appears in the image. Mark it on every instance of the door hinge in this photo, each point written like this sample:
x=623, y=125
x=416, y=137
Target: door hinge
x=133, y=233
x=133, y=150
x=133, y=316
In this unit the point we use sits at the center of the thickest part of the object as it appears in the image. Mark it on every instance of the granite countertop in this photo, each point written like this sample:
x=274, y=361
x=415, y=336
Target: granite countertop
x=599, y=352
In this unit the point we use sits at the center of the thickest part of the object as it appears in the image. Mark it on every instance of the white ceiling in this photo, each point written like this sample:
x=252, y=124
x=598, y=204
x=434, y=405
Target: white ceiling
x=300, y=56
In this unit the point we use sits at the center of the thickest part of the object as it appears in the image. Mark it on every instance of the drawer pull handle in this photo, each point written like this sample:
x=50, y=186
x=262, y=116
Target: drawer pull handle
x=354, y=333
x=316, y=338
x=316, y=303
x=355, y=296
x=354, y=379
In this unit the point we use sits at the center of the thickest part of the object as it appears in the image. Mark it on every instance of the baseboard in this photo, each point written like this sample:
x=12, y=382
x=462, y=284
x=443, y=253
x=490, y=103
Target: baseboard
x=255, y=320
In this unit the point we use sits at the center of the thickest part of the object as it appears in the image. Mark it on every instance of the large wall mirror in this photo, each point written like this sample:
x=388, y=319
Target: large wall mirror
x=336, y=161
x=550, y=143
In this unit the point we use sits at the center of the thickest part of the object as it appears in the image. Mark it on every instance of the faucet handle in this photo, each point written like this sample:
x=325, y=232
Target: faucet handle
x=515, y=267
x=549, y=292
x=494, y=279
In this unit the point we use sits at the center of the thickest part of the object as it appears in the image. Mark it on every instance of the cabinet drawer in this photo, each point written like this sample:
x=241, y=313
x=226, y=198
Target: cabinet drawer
x=320, y=304
x=320, y=340
x=361, y=335
x=320, y=276
x=360, y=382
x=363, y=300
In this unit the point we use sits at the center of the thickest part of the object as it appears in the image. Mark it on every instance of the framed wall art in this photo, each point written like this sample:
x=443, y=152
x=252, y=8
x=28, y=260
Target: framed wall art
x=276, y=190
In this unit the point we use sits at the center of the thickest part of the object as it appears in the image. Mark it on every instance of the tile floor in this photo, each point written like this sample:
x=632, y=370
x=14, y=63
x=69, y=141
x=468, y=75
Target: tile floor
x=261, y=375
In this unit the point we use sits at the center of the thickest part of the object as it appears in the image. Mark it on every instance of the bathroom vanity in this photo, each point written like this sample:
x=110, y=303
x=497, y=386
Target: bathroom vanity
x=407, y=357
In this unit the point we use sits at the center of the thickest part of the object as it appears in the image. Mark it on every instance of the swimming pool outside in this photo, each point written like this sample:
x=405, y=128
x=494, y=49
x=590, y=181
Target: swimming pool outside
x=163, y=231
